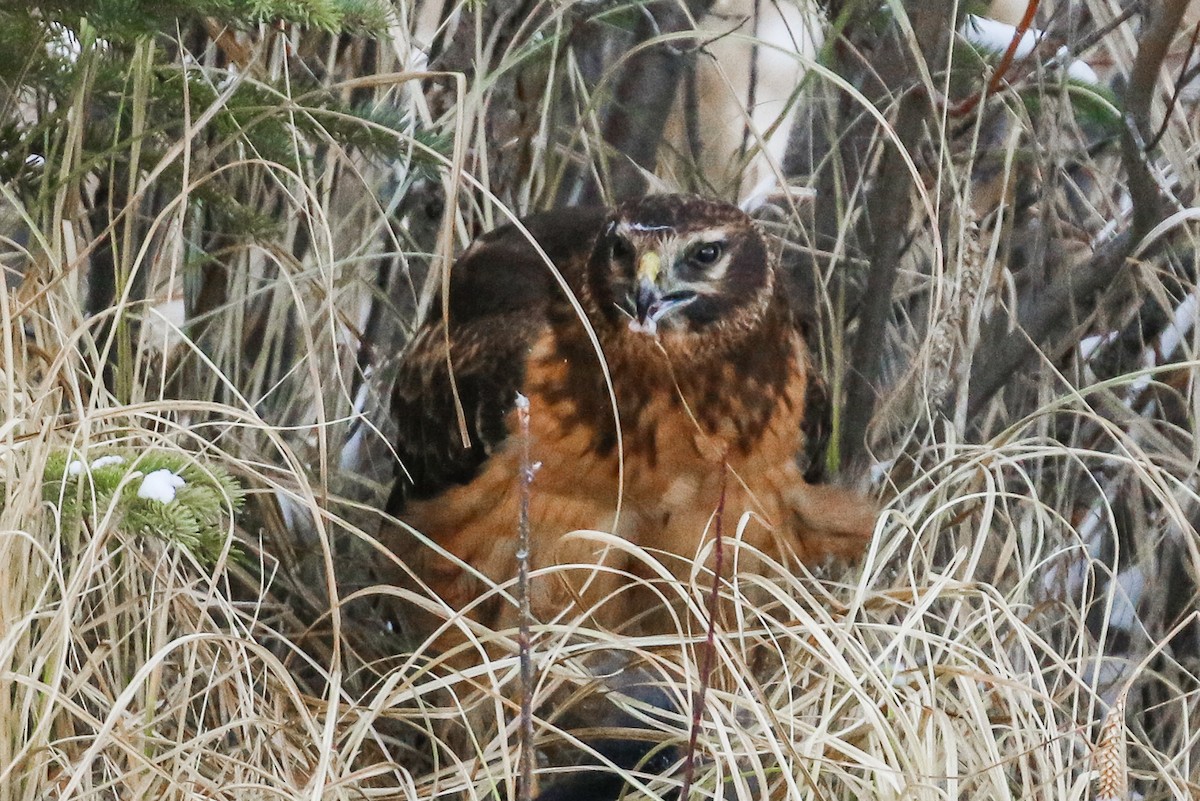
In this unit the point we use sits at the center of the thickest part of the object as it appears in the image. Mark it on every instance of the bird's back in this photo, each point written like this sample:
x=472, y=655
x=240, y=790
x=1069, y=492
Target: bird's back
x=498, y=292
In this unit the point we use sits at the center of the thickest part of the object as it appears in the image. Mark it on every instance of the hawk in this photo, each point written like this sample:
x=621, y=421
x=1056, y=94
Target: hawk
x=661, y=363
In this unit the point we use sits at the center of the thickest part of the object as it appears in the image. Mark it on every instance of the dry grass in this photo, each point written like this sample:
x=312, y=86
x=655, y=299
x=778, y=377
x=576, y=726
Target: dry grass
x=1013, y=632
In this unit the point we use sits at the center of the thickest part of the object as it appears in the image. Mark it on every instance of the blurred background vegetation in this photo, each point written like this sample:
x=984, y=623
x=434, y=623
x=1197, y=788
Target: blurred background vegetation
x=219, y=221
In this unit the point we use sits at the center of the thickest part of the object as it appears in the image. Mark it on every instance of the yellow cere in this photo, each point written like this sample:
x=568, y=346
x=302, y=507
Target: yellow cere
x=649, y=266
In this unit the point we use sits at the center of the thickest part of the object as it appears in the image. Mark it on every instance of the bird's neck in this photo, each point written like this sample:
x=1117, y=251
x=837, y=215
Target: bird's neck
x=731, y=379
x=729, y=384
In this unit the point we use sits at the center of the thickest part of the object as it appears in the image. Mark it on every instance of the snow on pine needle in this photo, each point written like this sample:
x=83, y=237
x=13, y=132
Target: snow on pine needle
x=154, y=493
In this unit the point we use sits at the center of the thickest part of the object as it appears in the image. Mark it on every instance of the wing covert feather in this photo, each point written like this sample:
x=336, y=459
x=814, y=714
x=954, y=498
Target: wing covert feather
x=499, y=291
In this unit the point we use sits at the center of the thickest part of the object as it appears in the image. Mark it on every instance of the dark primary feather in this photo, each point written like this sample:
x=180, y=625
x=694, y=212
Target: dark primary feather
x=593, y=783
x=499, y=288
x=817, y=425
x=631, y=745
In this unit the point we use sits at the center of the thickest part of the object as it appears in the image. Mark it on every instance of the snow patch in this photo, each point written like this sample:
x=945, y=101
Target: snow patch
x=63, y=44
x=1127, y=594
x=996, y=36
x=1077, y=70
x=76, y=466
x=989, y=34
x=1089, y=345
x=105, y=461
x=162, y=327
x=1180, y=327
x=160, y=486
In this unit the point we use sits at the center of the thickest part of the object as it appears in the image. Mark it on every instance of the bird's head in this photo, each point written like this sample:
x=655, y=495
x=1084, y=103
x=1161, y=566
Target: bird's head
x=668, y=266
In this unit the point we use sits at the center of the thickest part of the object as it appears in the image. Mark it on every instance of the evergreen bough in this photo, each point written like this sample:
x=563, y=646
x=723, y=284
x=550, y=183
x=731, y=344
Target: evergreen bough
x=108, y=481
x=128, y=19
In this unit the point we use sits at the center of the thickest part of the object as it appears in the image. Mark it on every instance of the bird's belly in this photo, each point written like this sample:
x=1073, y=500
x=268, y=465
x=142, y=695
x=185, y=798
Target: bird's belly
x=661, y=496
x=574, y=489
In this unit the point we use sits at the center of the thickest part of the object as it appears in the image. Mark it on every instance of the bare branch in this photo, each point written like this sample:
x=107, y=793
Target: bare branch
x=642, y=99
x=524, y=637
x=1046, y=313
x=1185, y=77
x=888, y=210
x=1139, y=126
x=1046, y=320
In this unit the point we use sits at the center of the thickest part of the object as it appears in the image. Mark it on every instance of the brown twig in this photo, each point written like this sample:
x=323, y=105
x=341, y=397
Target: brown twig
x=524, y=639
x=752, y=83
x=1007, y=59
x=965, y=105
x=710, y=645
x=1180, y=82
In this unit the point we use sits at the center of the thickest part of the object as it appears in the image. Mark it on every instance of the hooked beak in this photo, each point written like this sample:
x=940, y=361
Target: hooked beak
x=651, y=305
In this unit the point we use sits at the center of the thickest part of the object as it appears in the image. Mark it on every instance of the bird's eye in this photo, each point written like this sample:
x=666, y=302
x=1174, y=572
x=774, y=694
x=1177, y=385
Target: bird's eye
x=622, y=248
x=707, y=254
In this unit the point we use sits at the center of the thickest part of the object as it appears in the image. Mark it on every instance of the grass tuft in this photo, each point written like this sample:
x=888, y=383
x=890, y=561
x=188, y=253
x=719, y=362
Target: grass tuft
x=214, y=242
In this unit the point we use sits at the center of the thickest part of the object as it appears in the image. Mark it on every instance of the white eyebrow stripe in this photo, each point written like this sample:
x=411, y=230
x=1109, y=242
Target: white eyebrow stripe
x=705, y=287
x=639, y=227
x=710, y=235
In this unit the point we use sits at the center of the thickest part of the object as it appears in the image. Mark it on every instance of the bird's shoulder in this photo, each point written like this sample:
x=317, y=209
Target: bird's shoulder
x=475, y=358
x=502, y=272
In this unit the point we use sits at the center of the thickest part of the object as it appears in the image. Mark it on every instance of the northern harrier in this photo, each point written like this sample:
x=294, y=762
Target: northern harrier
x=680, y=362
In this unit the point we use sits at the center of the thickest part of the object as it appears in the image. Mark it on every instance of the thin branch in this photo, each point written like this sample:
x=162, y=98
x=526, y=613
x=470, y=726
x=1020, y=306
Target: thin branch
x=524, y=639
x=1007, y=59
x=888, y=210
x=1148, y=206
x=710, y=645
x=968, y=103
x=1046, y=313
x=752, y=84
x=1180, y=82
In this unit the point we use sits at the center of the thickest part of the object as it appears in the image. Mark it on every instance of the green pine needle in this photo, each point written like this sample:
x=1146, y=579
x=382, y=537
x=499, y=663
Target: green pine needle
x=107, y=483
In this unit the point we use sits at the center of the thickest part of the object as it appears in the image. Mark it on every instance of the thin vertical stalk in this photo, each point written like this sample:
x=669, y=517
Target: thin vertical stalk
x=524, y=640
x=710, y=645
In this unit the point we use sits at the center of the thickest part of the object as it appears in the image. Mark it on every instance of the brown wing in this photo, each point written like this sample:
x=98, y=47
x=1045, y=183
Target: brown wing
x=816, y=425
x=499, y=291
